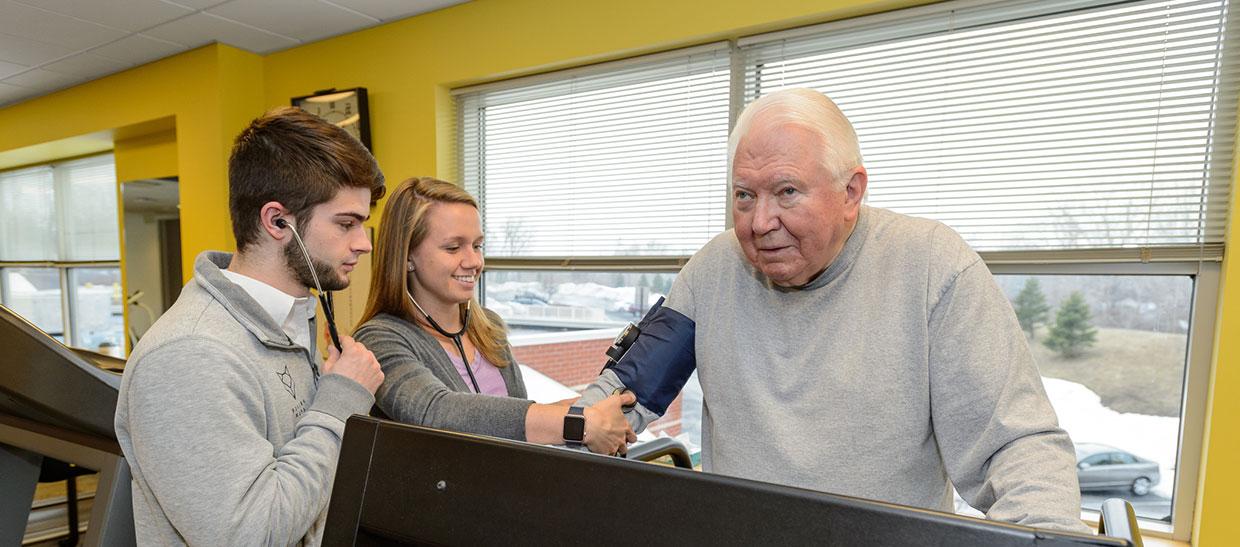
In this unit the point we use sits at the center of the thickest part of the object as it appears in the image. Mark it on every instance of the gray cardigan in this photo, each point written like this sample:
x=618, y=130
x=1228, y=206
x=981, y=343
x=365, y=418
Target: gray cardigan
x=422, y=387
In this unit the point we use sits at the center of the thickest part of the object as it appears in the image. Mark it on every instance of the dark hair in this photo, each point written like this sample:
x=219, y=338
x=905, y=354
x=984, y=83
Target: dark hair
x=297, y=159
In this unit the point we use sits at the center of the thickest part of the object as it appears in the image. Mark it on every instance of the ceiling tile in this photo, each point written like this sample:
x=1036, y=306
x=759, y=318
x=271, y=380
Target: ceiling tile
x=138, y=49
x=388, y=10
x=8, y=69
x=11, y=93
x=25, y=51
x=44, y=26
x=130, y=15
x=86, y=65
x=196, y=4
x=202, y=28
x=305, y=20
x=45, y=80
x=29, y=52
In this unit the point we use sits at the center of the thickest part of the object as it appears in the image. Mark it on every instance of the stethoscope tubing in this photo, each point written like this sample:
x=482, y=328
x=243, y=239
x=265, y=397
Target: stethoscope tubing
x=455, y=336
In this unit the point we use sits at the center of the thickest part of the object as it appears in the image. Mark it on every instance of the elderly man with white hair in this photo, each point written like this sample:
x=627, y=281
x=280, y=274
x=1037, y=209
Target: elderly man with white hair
x=853, y=350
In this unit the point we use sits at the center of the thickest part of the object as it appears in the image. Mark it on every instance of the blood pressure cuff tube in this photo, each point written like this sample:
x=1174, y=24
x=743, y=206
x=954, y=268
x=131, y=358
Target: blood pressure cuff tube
x=660, y=361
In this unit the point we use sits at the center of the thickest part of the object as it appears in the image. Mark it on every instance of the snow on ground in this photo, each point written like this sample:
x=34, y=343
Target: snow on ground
x=540, y=388
x=1081, y=413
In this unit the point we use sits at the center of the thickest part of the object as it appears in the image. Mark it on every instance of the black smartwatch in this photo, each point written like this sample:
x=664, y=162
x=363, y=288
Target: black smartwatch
x=574, y=427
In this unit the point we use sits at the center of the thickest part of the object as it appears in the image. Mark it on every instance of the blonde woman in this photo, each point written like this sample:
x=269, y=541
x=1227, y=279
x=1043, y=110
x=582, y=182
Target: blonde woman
x=446, y=360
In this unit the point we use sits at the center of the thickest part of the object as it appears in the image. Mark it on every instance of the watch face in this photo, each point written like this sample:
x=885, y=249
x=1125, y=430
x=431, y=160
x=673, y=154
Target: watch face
x=574, y=427
x=342, y=109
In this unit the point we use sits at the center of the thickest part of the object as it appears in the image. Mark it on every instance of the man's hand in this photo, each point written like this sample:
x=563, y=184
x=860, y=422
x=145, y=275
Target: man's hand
x=607, y=432
x=356, y=363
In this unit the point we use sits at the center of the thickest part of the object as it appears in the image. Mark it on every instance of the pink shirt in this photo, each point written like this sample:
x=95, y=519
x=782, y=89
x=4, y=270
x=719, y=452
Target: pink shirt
x=490, y=381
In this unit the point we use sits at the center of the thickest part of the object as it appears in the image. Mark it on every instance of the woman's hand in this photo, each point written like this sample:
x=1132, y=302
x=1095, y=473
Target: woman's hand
x=607, y=432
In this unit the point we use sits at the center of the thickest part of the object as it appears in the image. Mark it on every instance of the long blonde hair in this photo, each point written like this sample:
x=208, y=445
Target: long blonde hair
x=403, y=228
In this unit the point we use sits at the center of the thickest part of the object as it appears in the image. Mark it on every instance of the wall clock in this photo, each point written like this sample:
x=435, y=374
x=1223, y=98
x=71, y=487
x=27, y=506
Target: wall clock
x=347, y=108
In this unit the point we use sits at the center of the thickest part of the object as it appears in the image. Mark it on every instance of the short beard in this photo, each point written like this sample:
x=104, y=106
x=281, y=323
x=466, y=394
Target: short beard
x=296, y=262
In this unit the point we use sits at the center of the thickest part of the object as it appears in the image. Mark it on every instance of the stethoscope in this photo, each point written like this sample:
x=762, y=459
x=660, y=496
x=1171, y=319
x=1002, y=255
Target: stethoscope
x=325, y=298
x=455, y=336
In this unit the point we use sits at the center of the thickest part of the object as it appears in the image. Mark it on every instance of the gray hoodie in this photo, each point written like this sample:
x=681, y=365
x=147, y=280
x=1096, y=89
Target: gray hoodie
x=231, y=439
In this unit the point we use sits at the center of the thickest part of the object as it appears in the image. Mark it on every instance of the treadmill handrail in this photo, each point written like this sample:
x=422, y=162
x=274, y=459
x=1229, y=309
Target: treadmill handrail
x=662, y=446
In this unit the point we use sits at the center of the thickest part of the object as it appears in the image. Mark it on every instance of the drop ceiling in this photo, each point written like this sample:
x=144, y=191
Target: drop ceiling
x=47, y=45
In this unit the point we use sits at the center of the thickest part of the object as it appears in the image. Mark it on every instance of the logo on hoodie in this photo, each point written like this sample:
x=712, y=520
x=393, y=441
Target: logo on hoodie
x=287, y=380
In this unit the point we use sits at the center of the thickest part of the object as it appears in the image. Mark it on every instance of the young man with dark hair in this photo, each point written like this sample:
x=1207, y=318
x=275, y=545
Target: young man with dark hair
x=230, y=424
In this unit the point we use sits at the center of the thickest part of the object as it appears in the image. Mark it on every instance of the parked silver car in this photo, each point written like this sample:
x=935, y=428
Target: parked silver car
x=1102, y=467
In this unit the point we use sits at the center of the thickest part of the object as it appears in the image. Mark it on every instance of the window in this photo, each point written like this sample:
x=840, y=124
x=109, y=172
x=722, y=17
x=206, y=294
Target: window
x=550, y=300
x=35, y=294
x=1048, y=125
x=1113, y=352
x=596, y=184
x=1085, y=145
x=613, y=160
x=60, y=250
x=561, y=323
x=96, y=308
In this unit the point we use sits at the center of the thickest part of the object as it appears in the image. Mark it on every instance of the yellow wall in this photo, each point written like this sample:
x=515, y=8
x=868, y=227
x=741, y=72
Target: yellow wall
x=1218, y=505
x=408, y=66
x=146, y=156
x=211, y=92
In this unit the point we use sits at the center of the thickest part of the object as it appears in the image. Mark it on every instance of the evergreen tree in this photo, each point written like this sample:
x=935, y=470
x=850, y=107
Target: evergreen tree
x=1071, y=333
x=665, y=283
x=1031, y=307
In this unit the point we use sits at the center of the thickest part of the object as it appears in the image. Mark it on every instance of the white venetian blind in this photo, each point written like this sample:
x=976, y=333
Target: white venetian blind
x=625, y=158
x=87, y=189
x=1032, y=125
x=28, y=224
x=61, y=212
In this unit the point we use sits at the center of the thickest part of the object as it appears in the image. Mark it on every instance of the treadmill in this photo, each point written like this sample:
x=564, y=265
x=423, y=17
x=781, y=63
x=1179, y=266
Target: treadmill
x=399, y=484
x=59, y=402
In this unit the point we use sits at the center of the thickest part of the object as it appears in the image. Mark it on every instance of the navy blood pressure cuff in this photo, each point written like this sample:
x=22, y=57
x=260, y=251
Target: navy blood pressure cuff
x=659, y=361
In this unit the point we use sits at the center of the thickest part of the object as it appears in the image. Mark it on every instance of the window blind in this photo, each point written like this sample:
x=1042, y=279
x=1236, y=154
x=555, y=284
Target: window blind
x=28, y=227
x=87, y=191
x=61, y=212
x=625, y=158
x=1032, y=125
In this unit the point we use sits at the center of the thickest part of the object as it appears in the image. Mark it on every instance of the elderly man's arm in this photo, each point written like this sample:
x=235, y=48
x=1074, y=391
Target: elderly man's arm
x=994, y=425
x=680, y=299
x=606, y=384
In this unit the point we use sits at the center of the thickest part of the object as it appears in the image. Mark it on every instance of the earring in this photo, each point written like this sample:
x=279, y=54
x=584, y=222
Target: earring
x=411, y=266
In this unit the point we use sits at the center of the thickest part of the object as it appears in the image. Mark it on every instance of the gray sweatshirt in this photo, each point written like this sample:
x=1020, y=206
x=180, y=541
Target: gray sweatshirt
x=228, y=437
x=899, y=371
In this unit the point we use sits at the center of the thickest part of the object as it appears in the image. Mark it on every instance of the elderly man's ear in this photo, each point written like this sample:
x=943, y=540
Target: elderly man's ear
x=855, y=189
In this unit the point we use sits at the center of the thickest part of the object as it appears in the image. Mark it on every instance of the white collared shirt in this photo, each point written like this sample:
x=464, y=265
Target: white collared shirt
x=291, y=313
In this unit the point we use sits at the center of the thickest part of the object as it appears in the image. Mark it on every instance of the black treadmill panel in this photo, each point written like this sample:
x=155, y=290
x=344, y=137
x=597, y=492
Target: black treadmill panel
x=401, y=484
x=44, y=381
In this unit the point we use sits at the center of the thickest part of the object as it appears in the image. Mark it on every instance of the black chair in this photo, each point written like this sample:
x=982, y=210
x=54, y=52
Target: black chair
x=53, y=470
